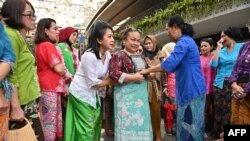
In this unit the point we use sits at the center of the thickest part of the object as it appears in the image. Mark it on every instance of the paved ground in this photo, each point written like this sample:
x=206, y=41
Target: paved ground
x=164, y=136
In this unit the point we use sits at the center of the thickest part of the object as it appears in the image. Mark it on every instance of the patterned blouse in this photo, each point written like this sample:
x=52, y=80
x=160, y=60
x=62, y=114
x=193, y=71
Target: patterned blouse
x=242, y=66
x=122, y=63
x=47, y=57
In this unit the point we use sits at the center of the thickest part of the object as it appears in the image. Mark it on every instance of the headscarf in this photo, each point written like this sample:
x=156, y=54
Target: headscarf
x=168, y=48
x=65, y=33
x=151, y=54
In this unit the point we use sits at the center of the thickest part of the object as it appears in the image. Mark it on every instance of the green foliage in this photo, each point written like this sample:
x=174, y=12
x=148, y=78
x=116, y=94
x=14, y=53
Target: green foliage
x=188, y=9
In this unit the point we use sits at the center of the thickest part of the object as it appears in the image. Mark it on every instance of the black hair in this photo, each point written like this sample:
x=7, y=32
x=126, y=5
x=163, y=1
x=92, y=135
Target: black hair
x=40, y=35
x=233, y=33
x=68, y=42
x=186, y=28
x=12, y=12
x=97, y=31
x=210, y=41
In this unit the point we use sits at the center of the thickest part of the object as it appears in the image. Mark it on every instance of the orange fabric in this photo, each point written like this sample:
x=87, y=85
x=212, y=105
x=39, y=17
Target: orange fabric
x=241, y=111
x=4, y=123
x=155, y=110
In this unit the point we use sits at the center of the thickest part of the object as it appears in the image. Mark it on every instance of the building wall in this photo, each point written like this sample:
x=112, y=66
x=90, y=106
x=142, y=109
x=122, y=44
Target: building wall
x=67, y=12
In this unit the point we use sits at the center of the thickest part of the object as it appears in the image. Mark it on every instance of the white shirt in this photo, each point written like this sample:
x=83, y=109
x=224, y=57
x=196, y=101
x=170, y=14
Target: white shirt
x=90, y=72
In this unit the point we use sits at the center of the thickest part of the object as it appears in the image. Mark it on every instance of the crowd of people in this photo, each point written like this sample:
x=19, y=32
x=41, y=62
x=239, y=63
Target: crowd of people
x=196, y=88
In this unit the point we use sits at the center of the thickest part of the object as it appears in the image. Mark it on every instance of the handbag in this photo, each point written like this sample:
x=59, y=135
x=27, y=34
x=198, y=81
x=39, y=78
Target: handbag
x=26, y=133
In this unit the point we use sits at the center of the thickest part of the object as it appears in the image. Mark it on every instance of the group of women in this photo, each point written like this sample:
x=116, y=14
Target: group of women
x=136, y=78
x=226, y=95
x=42, y=78
x=19, y=20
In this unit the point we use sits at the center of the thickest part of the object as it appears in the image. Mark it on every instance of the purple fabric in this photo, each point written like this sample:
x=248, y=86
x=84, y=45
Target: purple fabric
x=242, y=65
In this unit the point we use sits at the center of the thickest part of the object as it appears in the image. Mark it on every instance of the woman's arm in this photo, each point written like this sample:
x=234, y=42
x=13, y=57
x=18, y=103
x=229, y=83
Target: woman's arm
x=137, y=77
x=215, y=58
x=4, y=70
x=151, y=69
x=60, y=69
x=4, y=104
x=17, y=114
x=104, y=83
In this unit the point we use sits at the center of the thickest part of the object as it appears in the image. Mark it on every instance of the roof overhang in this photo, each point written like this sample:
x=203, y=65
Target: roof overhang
x=115, y=11
x=235, y=17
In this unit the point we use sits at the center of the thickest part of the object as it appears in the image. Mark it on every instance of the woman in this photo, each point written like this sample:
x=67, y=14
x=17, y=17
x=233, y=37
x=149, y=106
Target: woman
x=190, y=84
x=83, y=116
x=51, y=72
x=131, y=107
x=240, y=84
x=223, y=60
x=206, y=47
x=67, y=37
x=153, y=56
x=19, y=16
x=7, y=59
x=169, y=99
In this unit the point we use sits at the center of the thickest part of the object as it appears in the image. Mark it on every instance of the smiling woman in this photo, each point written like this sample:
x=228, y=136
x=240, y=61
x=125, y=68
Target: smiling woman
x=131, y=107
x=51, y=73
x=83, y=107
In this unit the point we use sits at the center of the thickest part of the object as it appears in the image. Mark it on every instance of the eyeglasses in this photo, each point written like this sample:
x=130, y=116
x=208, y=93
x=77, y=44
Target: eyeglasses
x=31, y=16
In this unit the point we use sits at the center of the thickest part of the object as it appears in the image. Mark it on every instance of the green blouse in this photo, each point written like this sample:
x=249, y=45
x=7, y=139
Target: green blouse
x=24, y=73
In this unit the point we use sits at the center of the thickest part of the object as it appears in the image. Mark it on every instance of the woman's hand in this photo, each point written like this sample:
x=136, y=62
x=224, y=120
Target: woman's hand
x=237, y=91
x=17, y=114
x=151, y=76
x=165, y=91
x=145, y=71
x=220, y=43
x=138, y=77
x=60, y=69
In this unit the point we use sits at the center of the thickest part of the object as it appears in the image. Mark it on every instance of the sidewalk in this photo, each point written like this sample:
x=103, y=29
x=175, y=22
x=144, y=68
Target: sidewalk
x=165, y=137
